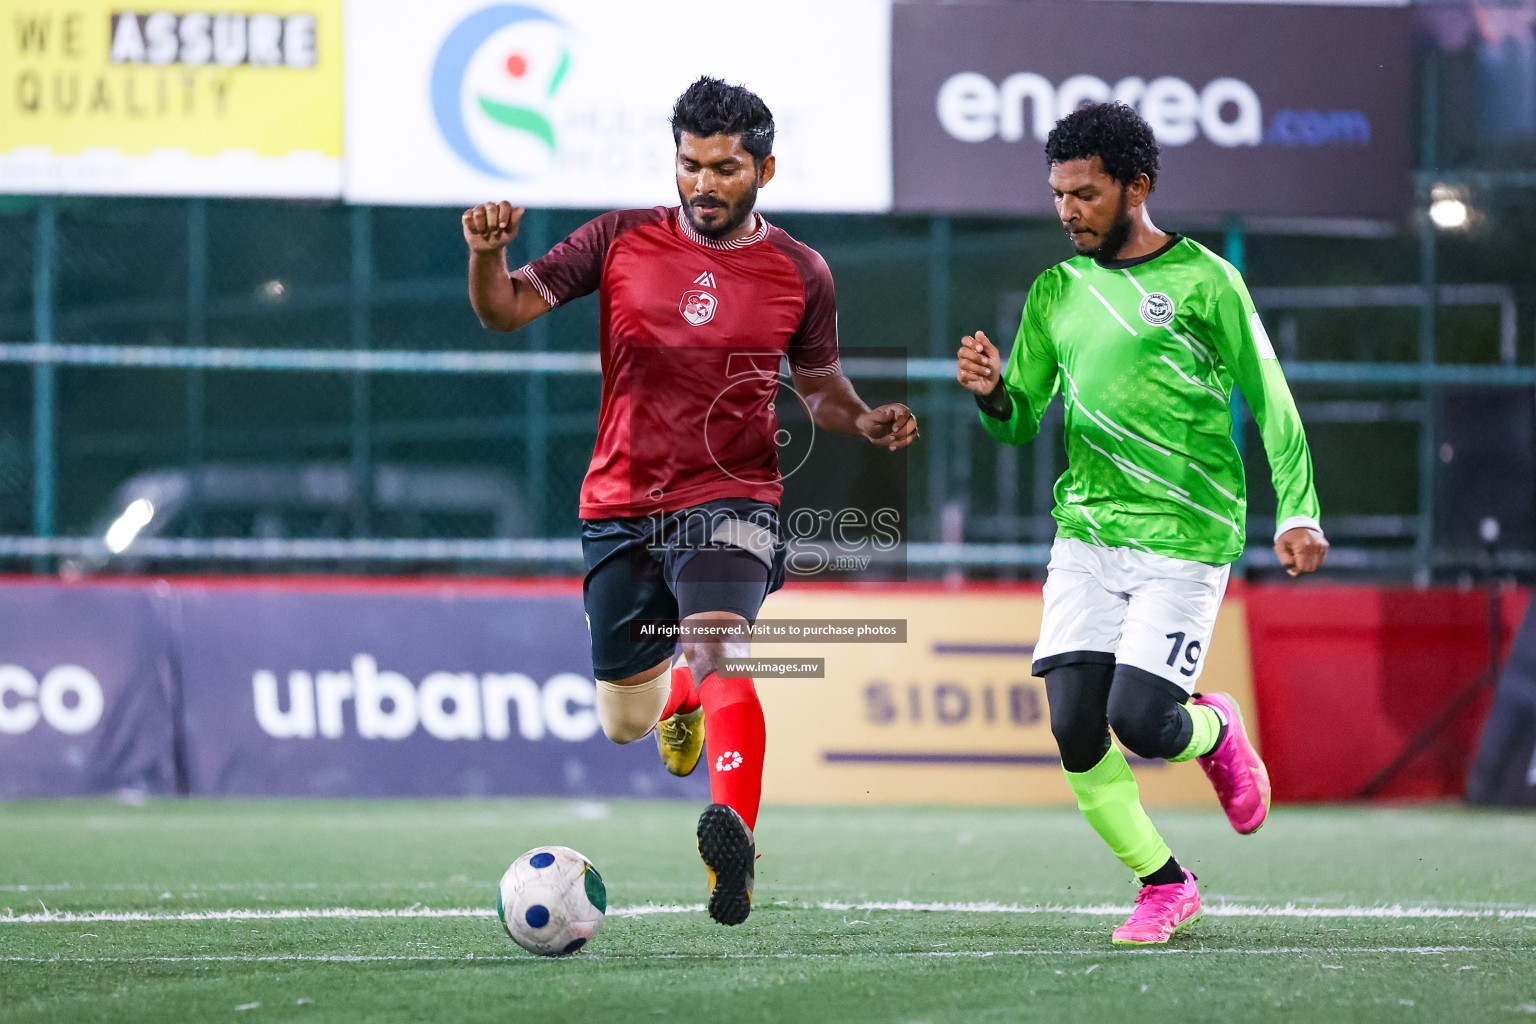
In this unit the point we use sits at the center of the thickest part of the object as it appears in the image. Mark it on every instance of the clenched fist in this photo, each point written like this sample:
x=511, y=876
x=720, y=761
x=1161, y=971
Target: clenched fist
x=490, y=226
x=1301, y=550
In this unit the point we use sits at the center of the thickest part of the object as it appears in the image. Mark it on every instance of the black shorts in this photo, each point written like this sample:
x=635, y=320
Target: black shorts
x=725, y=555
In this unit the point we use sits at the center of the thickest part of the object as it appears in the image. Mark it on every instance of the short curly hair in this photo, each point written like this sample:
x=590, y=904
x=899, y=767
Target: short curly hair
x=712, y=107
x=1114, y=133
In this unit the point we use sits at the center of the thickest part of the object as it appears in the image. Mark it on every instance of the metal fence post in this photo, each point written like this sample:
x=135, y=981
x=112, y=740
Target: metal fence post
x=535, y=232
x=197, y=337
x=44, y=383
x=938, y=398
x=1428, y=275
x=1429, y=280
x=362, y=433
x=1236, y=245
x=1237, y=255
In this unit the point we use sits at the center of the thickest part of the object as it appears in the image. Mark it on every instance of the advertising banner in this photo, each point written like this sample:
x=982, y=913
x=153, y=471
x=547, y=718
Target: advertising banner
x=951, y=715
x=565, y=103
x=399, y=694
x=341, y=690
x=219, y=98
x=1264, y=110
x=1349, y=678
x=86, y=684
x=1504, y=772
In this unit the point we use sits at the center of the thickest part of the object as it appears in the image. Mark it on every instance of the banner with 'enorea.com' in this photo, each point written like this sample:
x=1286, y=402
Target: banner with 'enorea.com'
x=215, y=97
x=565, y=103
x=1266, y=110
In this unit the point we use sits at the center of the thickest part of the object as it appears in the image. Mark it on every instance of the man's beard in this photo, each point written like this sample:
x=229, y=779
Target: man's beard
x=736, y=213
x=1115, y=238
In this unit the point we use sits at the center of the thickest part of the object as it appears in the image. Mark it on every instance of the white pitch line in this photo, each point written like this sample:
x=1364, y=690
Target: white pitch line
x=977, y=954
x=306, y=914
x=1396, y=911
x=1236, y=910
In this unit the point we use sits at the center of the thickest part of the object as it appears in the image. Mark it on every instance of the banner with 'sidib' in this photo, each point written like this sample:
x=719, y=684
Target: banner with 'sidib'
x=948, y=714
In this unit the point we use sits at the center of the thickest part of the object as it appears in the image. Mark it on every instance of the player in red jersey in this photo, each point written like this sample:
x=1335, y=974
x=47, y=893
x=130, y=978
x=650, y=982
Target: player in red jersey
x=679, y=509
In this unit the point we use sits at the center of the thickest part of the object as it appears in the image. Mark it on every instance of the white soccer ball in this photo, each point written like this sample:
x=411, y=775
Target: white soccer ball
x=551, y=900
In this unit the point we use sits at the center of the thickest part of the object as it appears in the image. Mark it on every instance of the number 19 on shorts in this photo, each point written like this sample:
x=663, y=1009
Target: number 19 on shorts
x=1183, y=656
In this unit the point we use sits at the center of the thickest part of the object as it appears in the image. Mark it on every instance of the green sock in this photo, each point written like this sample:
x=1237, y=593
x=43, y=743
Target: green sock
x=1206, y=732
x=1109, y=798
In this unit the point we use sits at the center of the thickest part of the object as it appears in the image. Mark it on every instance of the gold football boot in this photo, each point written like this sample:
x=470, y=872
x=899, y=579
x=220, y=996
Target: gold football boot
x=680, y=739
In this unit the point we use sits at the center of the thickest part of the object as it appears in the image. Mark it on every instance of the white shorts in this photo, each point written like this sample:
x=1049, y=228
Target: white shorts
x=1127, y=607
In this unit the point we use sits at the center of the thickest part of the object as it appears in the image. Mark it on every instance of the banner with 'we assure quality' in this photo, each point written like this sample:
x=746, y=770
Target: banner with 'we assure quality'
x=220, y=97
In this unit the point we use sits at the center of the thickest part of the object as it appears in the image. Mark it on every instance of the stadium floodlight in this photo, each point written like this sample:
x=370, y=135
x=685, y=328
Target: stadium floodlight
x=127, y=526
x=1448, y=208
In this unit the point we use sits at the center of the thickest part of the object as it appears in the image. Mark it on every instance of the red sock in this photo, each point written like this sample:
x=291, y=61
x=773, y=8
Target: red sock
x=683, y=698
x=734, y=740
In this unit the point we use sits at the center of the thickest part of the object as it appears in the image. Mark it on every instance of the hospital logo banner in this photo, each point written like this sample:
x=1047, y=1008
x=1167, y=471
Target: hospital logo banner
x=566, y=103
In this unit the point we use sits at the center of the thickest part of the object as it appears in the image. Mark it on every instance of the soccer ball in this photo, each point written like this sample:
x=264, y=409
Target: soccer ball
x=551, y=900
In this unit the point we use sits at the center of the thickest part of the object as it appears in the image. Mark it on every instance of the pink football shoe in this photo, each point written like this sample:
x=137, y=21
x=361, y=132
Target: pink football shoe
x=1161, y=910
x=1235, y=769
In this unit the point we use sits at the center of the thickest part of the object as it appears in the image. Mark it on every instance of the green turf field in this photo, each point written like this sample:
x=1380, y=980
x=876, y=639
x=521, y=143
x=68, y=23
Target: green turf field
x=869, y=914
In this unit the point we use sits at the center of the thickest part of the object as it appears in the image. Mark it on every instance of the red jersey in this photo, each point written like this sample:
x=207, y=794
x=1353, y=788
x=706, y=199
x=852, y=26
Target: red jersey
x=692, y=334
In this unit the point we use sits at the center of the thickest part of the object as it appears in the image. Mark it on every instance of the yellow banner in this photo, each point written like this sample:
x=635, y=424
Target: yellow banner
x=196, y=93
x=951, y=716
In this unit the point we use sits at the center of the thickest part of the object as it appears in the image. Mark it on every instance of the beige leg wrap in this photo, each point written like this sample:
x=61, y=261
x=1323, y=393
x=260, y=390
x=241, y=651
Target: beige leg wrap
x=628, y=713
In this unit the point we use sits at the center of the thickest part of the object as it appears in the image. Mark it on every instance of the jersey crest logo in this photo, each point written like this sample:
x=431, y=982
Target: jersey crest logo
x=706, y=279
x=698, y=307
x=1157, y=309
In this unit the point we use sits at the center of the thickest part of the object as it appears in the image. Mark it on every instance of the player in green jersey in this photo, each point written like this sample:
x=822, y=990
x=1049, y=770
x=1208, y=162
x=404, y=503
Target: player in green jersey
x=1144, y=333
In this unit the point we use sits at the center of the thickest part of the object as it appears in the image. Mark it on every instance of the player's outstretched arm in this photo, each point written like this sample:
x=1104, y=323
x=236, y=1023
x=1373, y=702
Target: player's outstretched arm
x=835, y=405
x=1244, y=347
x=503, y=301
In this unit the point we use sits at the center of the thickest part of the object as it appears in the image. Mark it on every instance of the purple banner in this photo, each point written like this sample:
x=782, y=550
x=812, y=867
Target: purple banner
x=1266, y=110
x=307, y=692
x=87, y=678
x=399, y=694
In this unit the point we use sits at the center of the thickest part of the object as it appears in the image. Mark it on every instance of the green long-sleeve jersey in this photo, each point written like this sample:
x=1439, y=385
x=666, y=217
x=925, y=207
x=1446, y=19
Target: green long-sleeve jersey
x=1145, y=353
